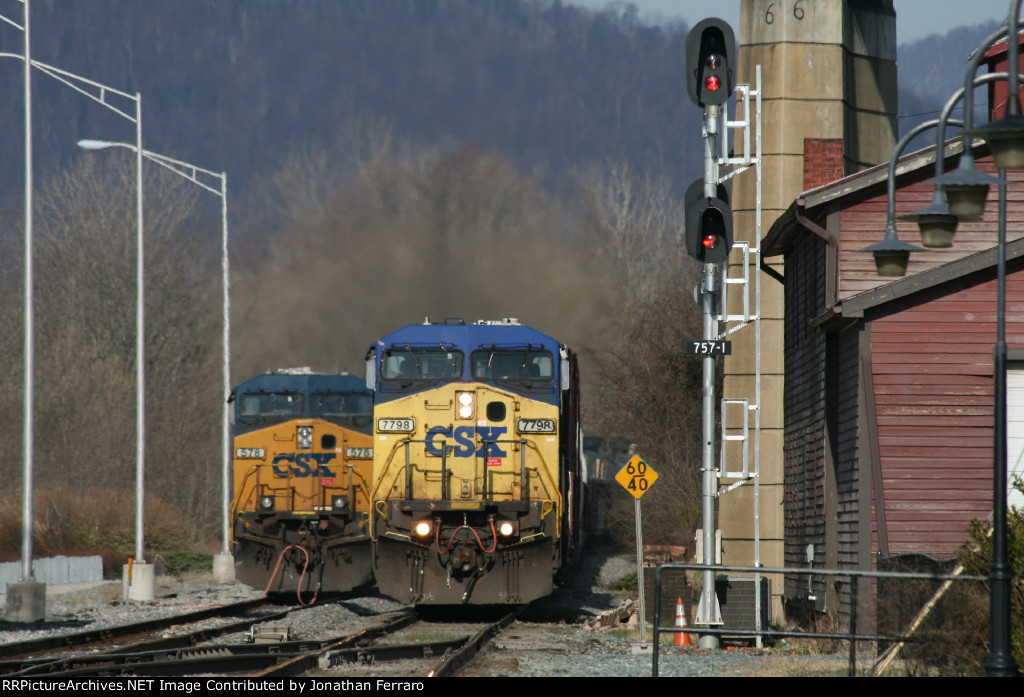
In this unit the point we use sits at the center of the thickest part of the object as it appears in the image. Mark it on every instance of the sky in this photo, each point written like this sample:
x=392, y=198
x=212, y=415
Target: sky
x=915, y=19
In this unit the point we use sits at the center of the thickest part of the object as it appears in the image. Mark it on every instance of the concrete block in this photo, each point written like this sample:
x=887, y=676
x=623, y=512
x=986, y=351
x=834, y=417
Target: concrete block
x=736, y=512
x=223, y=568
x=143, y=582
x=26, y=602
x=742, y=361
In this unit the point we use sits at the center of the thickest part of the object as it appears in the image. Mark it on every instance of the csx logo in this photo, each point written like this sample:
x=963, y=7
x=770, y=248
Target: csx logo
x=464, y=441
x=303, y=464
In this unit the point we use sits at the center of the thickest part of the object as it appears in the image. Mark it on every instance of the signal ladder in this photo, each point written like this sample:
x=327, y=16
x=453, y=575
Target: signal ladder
x=748, y=410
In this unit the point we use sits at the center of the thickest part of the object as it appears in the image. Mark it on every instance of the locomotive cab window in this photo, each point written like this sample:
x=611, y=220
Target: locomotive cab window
x=258, y=407
x=340, y=404
x=512, y=364
x=353, y=409
x=421, y=364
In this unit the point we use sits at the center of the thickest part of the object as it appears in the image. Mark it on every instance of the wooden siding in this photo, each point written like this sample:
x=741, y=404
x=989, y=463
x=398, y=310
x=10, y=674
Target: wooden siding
x=805, y=443
x=848, y=474
x=862, y=223
x=897, y=404
x=933, y=382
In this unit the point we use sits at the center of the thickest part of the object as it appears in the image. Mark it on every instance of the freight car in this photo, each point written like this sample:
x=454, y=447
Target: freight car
x=477, y=476
x=302, y=467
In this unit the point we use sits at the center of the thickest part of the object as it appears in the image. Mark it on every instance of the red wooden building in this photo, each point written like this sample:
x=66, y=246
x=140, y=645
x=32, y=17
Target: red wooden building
x=889, y=384
x=889, y=417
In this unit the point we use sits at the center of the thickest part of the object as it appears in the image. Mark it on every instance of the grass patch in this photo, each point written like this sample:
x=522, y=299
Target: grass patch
x=181, y=563
x=93, y=521
x=626, y=583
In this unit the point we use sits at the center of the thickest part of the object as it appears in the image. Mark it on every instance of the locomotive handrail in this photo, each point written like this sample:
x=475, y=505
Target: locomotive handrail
x=543, y=471
x=381, y=506
x=523, y=489
x=552, y=485
x=387, y=467
x=363, y=484
x=522, y=467
x=241, y=489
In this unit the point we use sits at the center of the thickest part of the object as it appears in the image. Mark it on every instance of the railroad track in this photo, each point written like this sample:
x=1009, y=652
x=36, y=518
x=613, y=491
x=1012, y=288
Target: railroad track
x=442, y=650
x=394, y=646
x=267, y=659
x=141, y=633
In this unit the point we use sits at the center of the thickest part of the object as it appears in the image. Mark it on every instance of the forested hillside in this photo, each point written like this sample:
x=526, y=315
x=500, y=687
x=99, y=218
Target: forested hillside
x=237, y=85
x=930, y=71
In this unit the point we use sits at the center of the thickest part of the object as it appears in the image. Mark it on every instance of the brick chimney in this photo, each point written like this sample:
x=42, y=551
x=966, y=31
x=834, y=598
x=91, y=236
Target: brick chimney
x=823, y=161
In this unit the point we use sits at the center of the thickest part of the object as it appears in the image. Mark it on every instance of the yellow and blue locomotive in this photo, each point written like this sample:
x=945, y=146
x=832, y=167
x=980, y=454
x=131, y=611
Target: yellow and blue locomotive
x=302, y=470
x=477, y=473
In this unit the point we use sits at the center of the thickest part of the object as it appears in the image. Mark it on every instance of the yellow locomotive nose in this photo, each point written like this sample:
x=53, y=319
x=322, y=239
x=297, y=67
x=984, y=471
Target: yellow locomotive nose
x=476, y=462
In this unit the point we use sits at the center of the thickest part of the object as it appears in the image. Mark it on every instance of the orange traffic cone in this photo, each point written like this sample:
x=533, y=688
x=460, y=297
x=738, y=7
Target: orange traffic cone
x=681, y=638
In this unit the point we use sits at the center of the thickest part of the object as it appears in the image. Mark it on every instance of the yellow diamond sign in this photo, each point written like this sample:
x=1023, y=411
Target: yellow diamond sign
x=636, y=476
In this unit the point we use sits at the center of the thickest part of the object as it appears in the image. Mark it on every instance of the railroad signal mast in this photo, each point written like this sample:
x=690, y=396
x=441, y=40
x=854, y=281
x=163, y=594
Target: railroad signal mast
x=710, y=80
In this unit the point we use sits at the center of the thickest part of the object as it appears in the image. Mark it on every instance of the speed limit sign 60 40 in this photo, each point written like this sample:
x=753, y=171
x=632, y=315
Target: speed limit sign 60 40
x=636, y=476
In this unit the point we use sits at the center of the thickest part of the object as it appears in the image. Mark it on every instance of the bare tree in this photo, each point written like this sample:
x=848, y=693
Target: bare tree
x=647, y=390
x=456, y=234
x=85, y=298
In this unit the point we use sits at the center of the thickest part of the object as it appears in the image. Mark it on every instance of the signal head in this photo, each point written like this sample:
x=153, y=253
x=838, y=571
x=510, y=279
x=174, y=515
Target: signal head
x=710, y=47
x=708, y=224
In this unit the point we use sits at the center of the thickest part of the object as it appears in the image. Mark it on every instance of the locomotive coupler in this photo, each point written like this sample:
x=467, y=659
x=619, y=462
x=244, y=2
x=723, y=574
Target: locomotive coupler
x=463, y=558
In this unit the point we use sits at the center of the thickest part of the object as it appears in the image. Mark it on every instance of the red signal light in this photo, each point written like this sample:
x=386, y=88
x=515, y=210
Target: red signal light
x=712, y=83
x=710, y=241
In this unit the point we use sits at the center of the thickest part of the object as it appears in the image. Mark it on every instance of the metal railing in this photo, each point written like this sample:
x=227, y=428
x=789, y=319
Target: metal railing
x=851, y=635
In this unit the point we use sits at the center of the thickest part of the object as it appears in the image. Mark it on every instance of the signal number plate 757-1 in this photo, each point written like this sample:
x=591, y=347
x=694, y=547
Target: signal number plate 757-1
x=709, y=348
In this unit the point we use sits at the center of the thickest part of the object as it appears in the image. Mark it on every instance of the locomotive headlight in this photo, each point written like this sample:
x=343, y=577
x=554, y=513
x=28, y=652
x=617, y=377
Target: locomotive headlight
x=422, y=528
x=305, y=436
x=506, y=528
x=338, y=502
x=266, y=503
x=465, y=404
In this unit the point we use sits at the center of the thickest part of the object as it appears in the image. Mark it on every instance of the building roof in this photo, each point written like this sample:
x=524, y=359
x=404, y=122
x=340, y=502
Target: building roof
x=810, y=208
x=809, y=204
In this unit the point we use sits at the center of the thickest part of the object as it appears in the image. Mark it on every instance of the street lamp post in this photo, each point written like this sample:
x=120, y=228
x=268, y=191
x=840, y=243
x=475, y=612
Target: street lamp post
x=143, y=582
x=223, y=563
x=30, y=608
x=26, y=601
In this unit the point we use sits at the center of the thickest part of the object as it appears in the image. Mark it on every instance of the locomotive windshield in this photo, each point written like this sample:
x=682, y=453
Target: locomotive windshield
x=266, y=407
x=421, y=364
x=340, y=403
x=344, y=408
x=526, y=365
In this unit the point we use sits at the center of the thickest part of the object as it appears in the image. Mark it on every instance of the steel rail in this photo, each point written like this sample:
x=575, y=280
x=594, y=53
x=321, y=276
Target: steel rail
x=451, y=664
x=107, y=634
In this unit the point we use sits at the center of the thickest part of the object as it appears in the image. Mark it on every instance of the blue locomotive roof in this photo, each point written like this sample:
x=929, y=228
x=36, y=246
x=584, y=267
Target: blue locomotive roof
x=506, y=335
x=275, y=397
x=304, y=383
x=468, y=336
